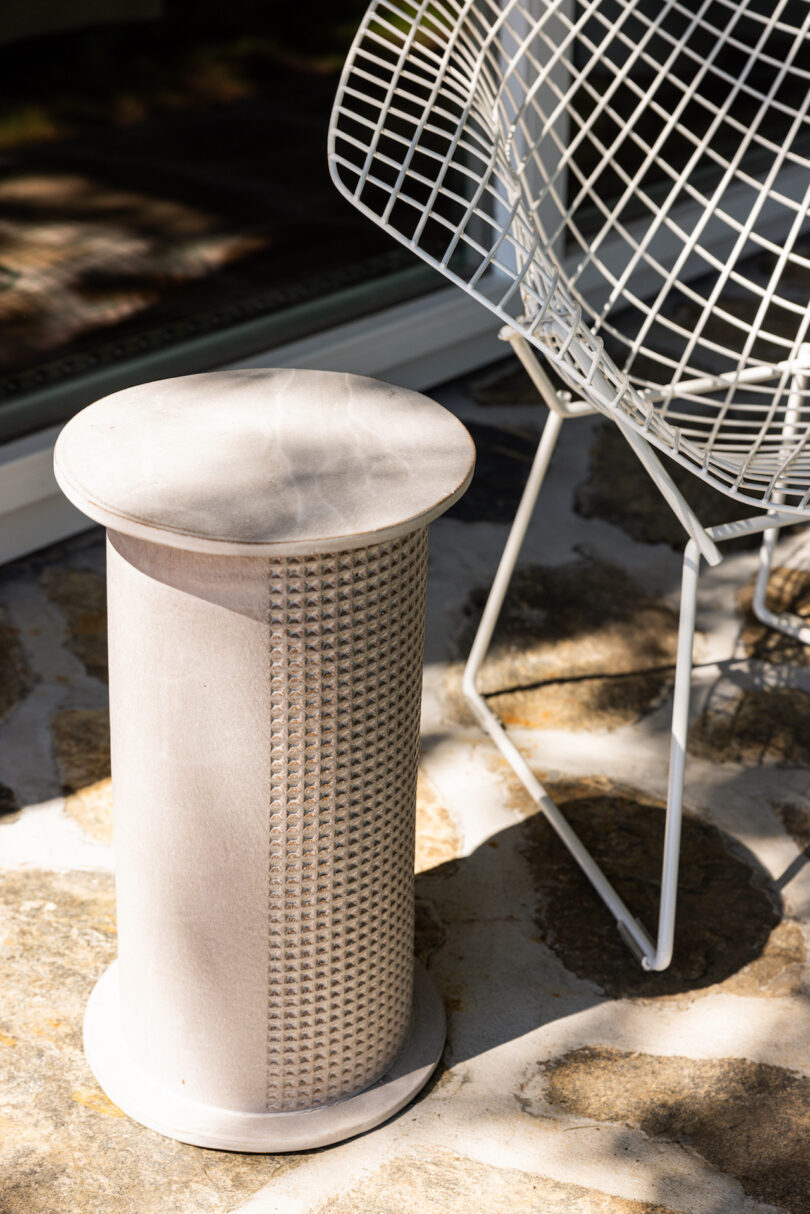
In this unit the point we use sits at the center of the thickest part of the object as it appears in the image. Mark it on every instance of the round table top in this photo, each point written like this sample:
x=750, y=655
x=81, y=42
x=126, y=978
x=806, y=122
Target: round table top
x=261, y=462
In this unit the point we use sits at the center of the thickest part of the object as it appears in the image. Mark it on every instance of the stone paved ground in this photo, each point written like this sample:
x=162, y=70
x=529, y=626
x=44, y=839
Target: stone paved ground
x=571, y=1083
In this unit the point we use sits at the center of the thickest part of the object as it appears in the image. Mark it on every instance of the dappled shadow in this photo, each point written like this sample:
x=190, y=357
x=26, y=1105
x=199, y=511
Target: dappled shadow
x=463, y=1185
x=728, y=909
x=9, y=806
x=730, y=914
x=745, y=1118
x=67, y=1148
x=15, y=674
x=731, y=939
x=757, y=710
x=577, y=646
x=160, y=185
x=81, y=596
x=503, y=458
x=753, y=725
x=788, y=591
x=619, y=491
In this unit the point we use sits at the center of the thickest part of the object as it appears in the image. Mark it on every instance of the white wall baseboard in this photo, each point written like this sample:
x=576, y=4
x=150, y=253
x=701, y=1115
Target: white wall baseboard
x=417, y=344
x=33, y=510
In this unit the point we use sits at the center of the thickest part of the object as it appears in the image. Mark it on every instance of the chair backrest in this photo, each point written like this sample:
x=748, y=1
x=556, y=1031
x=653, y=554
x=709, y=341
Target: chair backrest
x=662, y=149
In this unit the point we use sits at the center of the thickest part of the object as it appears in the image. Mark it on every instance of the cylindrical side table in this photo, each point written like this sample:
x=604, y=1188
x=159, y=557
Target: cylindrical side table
x=267, y=539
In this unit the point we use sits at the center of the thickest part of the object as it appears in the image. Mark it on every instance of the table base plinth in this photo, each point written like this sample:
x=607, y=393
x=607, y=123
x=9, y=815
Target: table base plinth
x=143, y=1099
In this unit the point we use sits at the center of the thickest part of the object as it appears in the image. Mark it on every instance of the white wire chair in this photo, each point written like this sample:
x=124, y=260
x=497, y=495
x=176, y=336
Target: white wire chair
x=662, y=149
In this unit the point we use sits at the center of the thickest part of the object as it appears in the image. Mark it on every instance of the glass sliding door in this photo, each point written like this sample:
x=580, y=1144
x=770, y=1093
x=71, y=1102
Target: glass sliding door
x=164, y=199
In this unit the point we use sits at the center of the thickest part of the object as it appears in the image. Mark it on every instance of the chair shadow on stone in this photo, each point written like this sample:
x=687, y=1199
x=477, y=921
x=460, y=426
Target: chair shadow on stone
x=732, y=936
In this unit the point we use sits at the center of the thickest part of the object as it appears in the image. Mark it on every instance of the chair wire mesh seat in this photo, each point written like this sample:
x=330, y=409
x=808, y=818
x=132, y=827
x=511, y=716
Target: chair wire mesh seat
x=625, y=184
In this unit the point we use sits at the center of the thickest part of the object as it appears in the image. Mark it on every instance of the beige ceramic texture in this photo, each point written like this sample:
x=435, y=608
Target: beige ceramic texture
x=266, y=461
x=265, y=730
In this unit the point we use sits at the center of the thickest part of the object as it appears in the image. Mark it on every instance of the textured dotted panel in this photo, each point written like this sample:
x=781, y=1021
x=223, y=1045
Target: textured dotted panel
x=346, y=652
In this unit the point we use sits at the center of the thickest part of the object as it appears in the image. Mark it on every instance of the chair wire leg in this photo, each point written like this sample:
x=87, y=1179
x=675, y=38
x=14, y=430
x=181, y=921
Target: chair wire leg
x=633, y=932
x=514, y=543
x=677, y=760
x=652, y=956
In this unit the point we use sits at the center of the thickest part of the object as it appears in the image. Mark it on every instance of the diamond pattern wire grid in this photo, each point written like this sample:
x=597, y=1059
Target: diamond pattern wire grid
x=668, y=138
x=346, y=654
